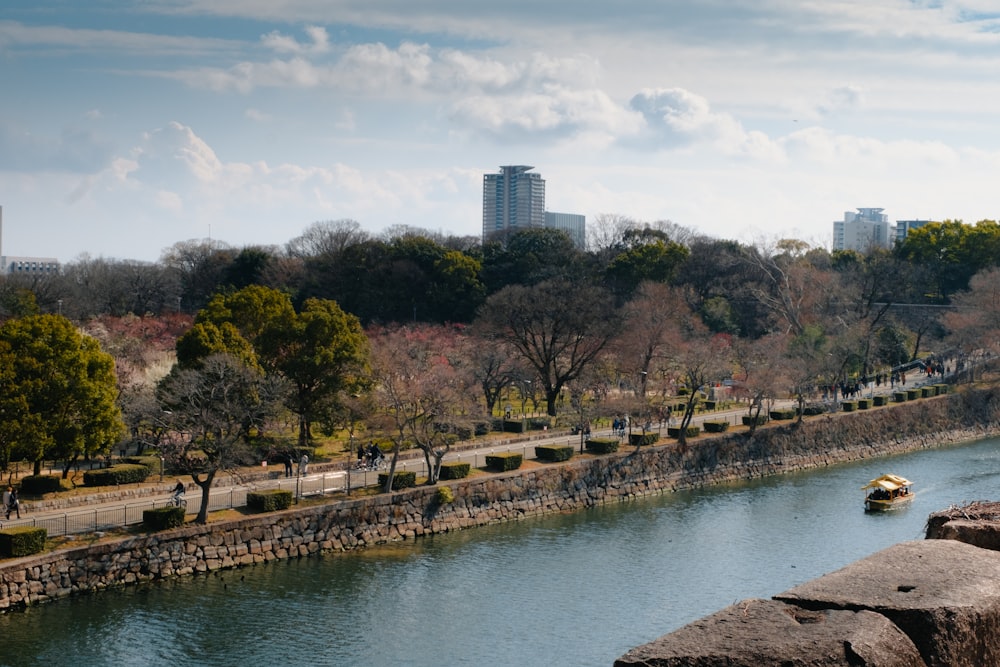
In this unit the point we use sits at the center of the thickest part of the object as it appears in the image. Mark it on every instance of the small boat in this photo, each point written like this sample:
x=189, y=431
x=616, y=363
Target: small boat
x=887, y=492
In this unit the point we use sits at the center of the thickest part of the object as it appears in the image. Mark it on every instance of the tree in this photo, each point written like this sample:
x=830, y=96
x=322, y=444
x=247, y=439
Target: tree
x=421, y=395
x=322, y=352
x=556, y=327
x=530, y=256
x=58, y=394
x=701, y=359
x=973, y=322
x=211, y=411
x=760, y=373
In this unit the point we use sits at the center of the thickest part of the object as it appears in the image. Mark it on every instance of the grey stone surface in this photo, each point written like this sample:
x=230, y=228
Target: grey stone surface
x=945, y=595
x=766, y=633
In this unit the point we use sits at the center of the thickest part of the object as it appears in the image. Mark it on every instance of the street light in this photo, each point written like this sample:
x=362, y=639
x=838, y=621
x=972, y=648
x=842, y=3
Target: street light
x=524, y=405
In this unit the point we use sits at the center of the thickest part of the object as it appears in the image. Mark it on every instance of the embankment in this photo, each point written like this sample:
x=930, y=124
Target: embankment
x=487, y=499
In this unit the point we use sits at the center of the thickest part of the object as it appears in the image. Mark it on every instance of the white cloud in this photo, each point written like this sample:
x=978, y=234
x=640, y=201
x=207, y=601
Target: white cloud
x=318, y=42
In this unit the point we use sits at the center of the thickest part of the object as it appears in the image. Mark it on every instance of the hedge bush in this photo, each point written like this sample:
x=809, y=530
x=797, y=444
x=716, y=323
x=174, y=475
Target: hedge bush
x=864, y=403
x=504, y=461
x=539, y=423
x=22, y=541
x=602, y=445
x=927, y=392
x=941, y=389
x=899, y=396
x=124, y=473
x=162, y=518
x=675, y=432
x=715, y=427
x=514, y=426
x=709, y=405
x=849, y=406
x=36, y=485
x=445, y=495
x=813, y=410
x=912, y=394
x=880, y=400
x=152, y=463
x=553, y=453
x=401, y=479
x=269, y=500
x=749, y=420
x=642, y=439
x=454, y=470
x=784, y=413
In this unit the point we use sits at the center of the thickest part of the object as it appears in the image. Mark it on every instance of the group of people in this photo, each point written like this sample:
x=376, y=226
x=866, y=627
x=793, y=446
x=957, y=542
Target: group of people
x=11, y=503
x=370, y=457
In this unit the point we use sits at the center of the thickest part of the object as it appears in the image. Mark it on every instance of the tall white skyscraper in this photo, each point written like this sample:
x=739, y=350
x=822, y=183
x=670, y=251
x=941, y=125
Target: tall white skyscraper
x=861, y=231
x=512, y=199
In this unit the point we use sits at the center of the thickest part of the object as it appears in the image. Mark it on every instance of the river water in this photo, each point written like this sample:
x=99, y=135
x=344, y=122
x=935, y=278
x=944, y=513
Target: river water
x=573, y=589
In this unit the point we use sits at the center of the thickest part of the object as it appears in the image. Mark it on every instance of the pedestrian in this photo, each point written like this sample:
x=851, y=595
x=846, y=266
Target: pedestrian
x=6, y=500
x=288, y=464
x=304, y=465
x=178, y=493
x=14, y=504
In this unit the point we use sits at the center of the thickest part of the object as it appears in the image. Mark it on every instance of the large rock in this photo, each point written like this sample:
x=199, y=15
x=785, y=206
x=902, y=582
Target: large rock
x=765, y=633
x=945, y=595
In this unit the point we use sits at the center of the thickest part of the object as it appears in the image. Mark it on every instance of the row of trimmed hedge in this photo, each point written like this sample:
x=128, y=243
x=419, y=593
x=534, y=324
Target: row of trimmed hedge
x=22, y=541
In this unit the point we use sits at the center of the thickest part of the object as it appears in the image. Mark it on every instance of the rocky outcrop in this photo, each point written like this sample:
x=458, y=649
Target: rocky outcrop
x=934, y=603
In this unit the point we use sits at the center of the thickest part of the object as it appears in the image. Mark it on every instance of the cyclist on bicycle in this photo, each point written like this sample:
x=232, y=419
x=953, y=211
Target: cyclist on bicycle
x=178, y=498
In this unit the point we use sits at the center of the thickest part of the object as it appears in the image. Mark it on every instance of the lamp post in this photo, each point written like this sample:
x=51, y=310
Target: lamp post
x=350, y=463
x=524, y=405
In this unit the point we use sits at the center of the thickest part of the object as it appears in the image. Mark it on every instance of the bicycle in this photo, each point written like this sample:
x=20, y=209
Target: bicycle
x=179, y=501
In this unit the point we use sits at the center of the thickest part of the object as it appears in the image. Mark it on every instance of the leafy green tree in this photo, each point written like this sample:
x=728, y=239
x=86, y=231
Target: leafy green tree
x=322, y=352
x=250, y=310
x=952, y=252
x=651, y=257
x=530, y=256
x=205, y=339
x=58, y=391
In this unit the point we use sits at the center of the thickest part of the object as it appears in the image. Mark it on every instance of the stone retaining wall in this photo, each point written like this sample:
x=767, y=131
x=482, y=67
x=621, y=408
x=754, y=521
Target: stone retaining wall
x=489, y=499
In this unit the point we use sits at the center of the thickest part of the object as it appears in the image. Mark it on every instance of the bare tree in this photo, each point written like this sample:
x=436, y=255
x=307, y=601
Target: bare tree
x=211, y=411
x=556, y=327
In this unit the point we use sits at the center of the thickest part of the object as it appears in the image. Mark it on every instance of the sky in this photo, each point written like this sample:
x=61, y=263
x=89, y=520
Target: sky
x=127, y=126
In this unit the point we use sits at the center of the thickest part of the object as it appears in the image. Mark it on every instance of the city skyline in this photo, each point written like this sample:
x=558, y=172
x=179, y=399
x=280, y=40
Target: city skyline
x=131, y=126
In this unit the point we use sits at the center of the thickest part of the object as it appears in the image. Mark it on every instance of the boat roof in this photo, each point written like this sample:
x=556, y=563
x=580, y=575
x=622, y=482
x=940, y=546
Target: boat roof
x=887, y=482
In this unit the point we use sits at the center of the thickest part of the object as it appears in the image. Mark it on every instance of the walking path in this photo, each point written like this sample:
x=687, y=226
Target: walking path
x=123, y=507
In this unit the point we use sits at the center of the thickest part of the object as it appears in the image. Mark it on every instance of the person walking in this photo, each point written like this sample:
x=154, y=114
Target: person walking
x=14, y=504
x=6, y=500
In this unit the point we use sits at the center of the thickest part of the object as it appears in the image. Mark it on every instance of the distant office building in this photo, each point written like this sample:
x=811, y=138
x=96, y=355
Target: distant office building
x=25, y=265
x=573, y=224
x=512, y=199
x=861, y=231
x=904, y=227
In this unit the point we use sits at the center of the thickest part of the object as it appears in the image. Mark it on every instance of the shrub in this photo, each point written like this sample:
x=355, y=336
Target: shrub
x=899, y=396
x=716, y=427
x=454, y=470
x=849, y=406
x=642, y=439
x=124, y=473
x=880, y=400
x=482, y=428
x=162, y=518
x=683, y=391
x=748, y=420
x=784, y=413
x=401, y=479
x=152, y=463
x=504, y=461
x=927, y=392
x=539, y=423
x=864, y=403
x=813, y=410
x=513, y=426
x=269, y=500
x=941, y=389
x=709, y=405
x=36, y=485
x=553, y=453
x=445, y=495
x=912, y=394
x=602, y=445
x=689, y=432
x=22, y=541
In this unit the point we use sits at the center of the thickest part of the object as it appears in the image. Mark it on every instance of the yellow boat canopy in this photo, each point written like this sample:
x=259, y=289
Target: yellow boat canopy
x=887, y=482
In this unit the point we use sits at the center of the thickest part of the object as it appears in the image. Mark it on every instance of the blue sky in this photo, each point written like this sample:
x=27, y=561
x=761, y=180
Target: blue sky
x=127, y=126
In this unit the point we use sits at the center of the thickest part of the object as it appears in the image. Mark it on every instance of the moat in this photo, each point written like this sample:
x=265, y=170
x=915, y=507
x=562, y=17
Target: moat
x=573, y=589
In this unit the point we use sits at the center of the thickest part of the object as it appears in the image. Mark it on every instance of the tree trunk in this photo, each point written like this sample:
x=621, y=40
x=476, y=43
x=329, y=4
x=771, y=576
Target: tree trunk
x=206, y=487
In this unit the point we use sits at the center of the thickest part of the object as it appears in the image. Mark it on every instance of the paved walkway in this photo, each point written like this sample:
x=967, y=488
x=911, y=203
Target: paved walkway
x=102, y=511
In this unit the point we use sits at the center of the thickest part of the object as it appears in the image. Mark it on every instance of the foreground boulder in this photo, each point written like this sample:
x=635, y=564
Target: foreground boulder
x=944, y=594
x=765, y=633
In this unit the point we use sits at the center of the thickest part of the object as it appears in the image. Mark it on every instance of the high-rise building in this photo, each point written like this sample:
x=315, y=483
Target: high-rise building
x=861, y=231
x=512, y=199
x=29, y=265
x=573, y=224
x=904, y=227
